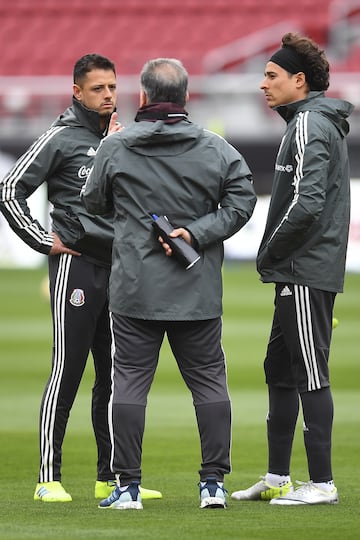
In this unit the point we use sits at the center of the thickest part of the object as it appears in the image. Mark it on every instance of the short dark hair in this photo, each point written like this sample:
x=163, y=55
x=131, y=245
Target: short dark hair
x=88, y=62
x=317, y=72
x=165, y=80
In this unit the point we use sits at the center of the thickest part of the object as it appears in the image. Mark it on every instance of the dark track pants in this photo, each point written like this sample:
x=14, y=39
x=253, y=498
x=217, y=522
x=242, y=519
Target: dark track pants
x=81, y=323
x=296, y=368
x=197, y=348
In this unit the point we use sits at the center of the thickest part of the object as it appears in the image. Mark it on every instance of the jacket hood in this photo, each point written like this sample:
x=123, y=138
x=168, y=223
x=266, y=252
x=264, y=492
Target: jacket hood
x=336, y=110
x=80, y=116
x=160, y=139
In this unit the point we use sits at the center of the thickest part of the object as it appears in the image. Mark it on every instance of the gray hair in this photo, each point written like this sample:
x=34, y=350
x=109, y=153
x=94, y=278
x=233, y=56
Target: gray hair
x=165, y=79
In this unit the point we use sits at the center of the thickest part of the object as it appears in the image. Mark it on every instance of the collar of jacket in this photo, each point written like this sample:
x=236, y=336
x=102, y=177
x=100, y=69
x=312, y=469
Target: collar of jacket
x=288, y=111
x=169, y=112
x=89, y=118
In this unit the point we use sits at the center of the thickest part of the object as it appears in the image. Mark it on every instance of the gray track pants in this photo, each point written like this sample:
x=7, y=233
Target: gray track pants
x=197, y=348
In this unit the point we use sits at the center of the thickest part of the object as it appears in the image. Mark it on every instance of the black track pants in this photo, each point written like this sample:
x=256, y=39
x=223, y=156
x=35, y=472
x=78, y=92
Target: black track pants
x=298, y=349
x=81, y=323
x=296, y=368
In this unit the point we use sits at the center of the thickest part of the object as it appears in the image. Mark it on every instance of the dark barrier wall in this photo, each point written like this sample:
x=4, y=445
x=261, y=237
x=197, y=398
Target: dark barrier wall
x=260, y=157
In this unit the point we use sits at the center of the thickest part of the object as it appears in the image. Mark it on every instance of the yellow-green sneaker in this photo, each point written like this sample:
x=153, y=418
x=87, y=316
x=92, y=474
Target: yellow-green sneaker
x=150, y=493
x=51, y=492
x=262, y=491
x=105, y=489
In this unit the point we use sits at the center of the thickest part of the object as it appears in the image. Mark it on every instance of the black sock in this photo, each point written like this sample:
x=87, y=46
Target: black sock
x=318, y=413
x=281, y=422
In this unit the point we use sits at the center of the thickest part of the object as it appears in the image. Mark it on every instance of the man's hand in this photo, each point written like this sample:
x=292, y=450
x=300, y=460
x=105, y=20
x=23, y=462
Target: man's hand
x=114, y=125
x=58, y=247
x=183, y=233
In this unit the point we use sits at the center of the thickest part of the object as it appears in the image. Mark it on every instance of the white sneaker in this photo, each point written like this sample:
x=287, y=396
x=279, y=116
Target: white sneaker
x=262, y=491
x=307, y=493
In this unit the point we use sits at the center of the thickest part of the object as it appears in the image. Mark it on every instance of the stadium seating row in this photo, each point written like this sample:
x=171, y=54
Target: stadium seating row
x=46, y=36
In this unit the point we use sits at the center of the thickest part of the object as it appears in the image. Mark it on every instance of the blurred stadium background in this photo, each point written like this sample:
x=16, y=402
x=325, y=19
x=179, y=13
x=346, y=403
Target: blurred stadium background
x=224, y=44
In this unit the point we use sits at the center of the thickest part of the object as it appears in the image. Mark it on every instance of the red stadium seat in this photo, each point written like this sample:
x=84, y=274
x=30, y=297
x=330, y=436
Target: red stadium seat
x=45, y=37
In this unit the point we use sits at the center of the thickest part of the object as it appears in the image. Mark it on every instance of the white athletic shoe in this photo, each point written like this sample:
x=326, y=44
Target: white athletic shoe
x=307, y=493
x=262, y=491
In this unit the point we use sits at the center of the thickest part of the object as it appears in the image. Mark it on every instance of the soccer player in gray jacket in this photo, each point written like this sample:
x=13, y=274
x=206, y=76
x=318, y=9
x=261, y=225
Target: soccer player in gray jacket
x=303, y=252
x=79, y=248
x=165, y=164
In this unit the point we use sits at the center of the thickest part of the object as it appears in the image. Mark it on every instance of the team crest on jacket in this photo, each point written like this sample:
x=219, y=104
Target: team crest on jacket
x=77, y=298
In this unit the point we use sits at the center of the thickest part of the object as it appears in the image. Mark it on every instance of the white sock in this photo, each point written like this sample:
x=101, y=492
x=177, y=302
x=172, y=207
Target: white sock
x=277, y=480
x=325, y=486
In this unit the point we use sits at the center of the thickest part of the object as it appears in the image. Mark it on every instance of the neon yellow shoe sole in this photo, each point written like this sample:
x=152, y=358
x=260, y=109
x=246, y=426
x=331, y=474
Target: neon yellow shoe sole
x=51, y=492
x=104, y=489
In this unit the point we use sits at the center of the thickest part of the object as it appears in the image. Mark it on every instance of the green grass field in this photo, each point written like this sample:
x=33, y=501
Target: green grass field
x=171, y=447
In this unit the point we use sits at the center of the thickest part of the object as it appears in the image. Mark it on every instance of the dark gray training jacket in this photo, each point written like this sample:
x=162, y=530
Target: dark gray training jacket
x=306, y=233
x=198, y=181
x=62, y=157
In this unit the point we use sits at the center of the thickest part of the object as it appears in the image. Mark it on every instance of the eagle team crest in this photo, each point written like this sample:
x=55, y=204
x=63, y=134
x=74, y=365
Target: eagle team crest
x=77, y=298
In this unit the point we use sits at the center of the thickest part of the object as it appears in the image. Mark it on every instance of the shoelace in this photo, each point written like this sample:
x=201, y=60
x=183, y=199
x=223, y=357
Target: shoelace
x=304, y=486
x=114, y=495
x=111, y=483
